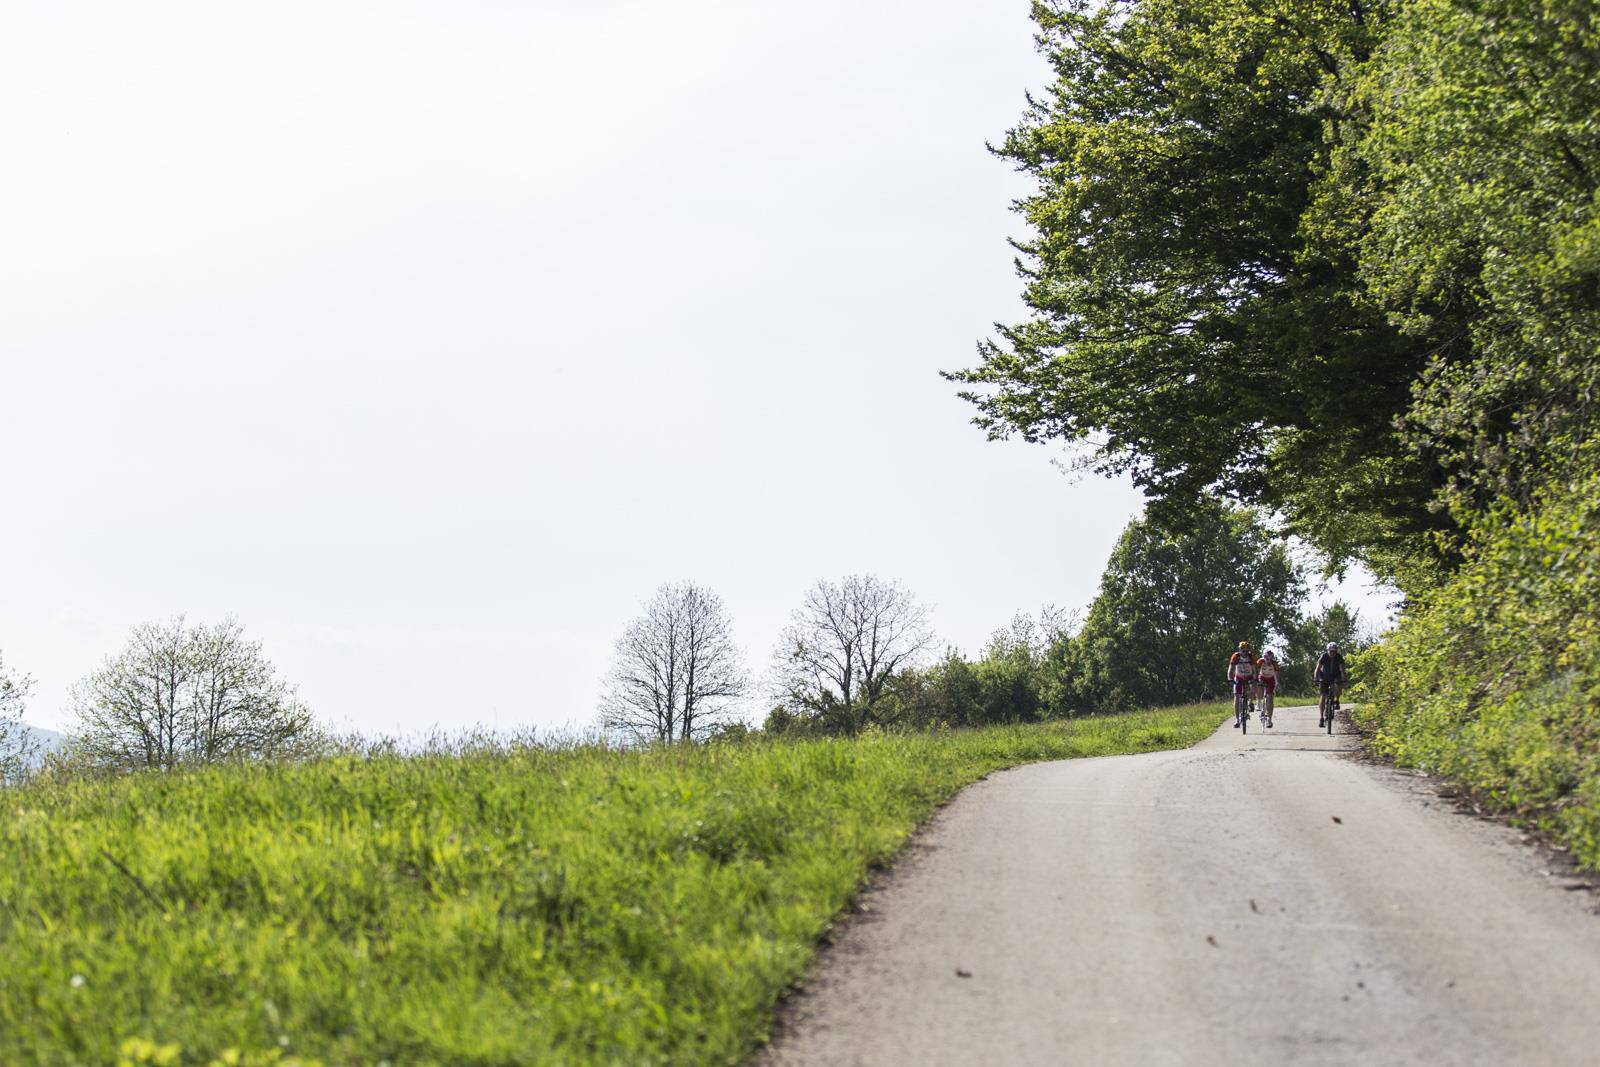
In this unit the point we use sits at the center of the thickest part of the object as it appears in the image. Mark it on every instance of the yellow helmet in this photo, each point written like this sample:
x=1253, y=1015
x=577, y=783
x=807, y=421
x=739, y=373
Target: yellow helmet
x=1244, y=646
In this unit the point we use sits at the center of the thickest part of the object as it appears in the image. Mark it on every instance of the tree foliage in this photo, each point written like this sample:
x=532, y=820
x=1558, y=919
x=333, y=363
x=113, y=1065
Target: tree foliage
x=1469, y=194
x=1493, y=677
x=1013, y=680
x=179, y=694
x=1339, y=259
x=1336, y=622
x=1184, y=330
x=1171, y=608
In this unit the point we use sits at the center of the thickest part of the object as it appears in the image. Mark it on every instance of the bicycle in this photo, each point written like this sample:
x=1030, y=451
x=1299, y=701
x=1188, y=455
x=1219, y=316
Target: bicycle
x=1243, y=706
x=1266, y=703
x=1328, y=706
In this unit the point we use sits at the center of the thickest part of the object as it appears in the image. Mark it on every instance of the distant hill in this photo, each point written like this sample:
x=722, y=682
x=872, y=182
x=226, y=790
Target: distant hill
x=48, y=740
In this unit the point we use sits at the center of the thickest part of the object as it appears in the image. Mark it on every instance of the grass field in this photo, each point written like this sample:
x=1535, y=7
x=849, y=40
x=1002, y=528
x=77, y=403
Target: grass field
x=483, y=907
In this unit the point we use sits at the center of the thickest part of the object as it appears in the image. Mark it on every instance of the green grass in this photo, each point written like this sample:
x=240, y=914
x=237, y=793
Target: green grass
x=492, y=907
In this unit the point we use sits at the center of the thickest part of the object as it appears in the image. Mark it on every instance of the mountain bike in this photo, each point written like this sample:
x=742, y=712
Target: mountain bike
x=1328, y=706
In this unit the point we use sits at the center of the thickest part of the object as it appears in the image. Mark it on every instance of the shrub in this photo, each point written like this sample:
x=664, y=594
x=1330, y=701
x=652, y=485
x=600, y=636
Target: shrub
x=1492, y=679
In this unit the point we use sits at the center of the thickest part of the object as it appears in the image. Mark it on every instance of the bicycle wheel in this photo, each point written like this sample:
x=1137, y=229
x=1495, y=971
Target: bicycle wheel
x=1330, y=718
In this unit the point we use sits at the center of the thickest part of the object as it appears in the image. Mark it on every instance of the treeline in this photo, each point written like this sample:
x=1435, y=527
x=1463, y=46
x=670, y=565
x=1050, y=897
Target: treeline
x=1033, y=671
x=858, y=653
x=1170, y=609
x=1341, y=261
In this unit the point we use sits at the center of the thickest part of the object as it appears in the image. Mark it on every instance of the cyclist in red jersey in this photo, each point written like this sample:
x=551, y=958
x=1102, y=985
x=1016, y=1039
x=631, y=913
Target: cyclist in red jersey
x=1241, y=674
x=1267, y=685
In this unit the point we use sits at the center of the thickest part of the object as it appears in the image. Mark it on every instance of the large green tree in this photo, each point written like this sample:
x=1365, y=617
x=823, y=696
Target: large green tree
x=1470, y=191
x=1340, y=258
x=1186, y=328
x=1171, y=608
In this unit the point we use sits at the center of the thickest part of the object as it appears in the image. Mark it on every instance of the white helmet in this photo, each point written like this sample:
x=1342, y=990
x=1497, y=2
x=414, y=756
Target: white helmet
x=1332, y=647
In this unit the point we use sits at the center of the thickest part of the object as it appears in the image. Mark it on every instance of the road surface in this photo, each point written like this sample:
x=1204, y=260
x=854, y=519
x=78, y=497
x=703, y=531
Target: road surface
x=1264, y=899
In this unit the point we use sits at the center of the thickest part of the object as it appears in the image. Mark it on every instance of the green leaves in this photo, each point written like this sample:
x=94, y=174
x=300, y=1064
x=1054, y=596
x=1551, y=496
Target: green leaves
x=1172, y=607
x=1339, y=260
x=1476, y=175
x=1492, y=677
x=1184, y=330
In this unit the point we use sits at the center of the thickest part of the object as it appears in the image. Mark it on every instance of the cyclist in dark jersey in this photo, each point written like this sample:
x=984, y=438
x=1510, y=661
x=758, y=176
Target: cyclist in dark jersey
x=1330, y=677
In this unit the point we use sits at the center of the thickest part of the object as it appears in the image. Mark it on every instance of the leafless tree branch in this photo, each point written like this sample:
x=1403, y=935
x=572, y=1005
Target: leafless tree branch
x=677, y=672
x=844, y=644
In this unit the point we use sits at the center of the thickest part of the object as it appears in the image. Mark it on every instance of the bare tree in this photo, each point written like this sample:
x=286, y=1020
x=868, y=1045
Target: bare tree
x=181, y=694
x=844, y=644
x=19, y=749
x=676, y=673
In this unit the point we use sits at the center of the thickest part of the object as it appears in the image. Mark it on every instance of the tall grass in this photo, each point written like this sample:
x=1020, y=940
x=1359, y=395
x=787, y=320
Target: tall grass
x=495, y=906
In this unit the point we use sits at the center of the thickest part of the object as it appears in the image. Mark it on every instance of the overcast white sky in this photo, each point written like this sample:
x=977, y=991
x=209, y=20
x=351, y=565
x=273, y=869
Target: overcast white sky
x=430, y=337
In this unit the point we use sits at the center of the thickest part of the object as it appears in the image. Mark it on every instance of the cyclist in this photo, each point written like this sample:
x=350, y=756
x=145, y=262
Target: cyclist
x=1241, y=674
x=1267, y=685
x=1329, y=677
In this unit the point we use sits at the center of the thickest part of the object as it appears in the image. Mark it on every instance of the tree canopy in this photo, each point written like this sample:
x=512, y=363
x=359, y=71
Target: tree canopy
x=180, y=694
x=1337, y=258
x=1468, y=192
x=1172, y=607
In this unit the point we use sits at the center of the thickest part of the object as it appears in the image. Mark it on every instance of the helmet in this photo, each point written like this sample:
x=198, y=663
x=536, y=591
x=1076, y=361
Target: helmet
x=1244, y=646
x=1333, y=646
x=1268, y=654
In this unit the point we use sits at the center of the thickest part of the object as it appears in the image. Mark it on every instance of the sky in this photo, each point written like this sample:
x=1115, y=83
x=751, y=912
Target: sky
x=429, y=338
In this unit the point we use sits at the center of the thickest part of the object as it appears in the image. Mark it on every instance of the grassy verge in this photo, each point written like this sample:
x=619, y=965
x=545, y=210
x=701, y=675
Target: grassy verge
x=1492, y=679
x=490, y=907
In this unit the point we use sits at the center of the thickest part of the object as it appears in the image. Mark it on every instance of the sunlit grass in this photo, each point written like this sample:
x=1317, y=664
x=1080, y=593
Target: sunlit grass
x=490, y=906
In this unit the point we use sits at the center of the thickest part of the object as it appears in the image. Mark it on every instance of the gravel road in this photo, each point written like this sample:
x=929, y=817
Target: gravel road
x=1260, y=899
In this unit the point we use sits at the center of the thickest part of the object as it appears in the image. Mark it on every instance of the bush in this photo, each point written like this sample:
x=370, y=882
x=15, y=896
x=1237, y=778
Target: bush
x=1492, y=679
